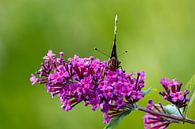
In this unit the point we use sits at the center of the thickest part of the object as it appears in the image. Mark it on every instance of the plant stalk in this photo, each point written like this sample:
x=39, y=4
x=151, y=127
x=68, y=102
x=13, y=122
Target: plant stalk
x=181, y=119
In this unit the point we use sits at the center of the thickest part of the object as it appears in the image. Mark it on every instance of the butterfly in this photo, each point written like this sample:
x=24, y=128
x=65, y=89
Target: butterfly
x=113, y=62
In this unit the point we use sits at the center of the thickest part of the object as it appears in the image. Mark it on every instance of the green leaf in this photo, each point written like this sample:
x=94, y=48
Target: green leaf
x=114, y=122
x=173, y=110
x=146, y=91
x=191, y=87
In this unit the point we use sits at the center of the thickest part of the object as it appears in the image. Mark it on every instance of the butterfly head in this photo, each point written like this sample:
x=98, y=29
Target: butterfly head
x=113, y=63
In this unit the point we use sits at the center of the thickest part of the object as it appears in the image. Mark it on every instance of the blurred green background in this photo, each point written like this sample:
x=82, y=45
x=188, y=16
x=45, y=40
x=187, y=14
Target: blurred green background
x=158, y=34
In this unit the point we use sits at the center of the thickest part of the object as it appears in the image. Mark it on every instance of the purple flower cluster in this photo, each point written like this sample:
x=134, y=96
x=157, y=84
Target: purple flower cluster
x=90, y=81
x=154, y=121
x=173, y=92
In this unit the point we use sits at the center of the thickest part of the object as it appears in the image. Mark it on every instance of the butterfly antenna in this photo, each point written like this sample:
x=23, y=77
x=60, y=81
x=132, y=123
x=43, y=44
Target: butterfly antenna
x=114, y=54
x=123, y=53
x=101, y=52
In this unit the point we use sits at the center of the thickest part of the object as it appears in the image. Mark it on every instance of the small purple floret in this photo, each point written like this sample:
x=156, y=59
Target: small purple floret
x=33, y=79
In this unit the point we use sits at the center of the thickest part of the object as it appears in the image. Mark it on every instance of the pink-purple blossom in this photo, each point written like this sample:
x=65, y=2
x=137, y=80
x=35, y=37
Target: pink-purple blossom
x=89, y=80
x=173, y=92
x=152, y=121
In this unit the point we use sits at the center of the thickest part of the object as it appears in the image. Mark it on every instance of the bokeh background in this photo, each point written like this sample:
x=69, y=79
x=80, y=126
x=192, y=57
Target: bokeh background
x=158, y=34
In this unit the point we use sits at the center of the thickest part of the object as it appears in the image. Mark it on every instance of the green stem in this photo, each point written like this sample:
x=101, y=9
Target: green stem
x=180, y=119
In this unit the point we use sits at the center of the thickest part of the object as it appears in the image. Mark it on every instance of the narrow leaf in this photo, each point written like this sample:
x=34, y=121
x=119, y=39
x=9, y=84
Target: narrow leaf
x=173, y=110
x=114, y=122
x=146, y=91
x=191, y=87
